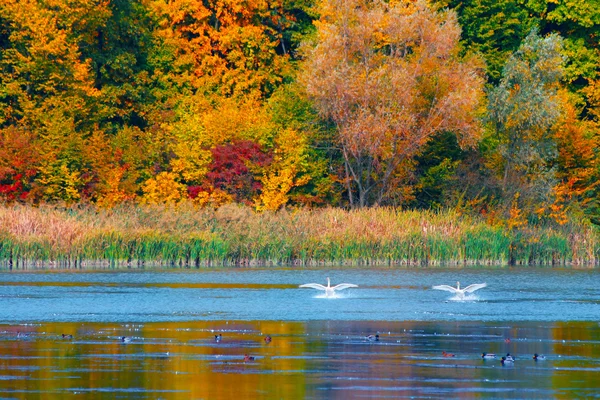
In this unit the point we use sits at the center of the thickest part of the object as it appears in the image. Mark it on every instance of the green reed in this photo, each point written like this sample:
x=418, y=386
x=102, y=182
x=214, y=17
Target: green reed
x=183, y=236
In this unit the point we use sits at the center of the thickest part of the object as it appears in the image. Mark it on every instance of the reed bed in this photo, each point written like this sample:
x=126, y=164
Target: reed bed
x=184, y=236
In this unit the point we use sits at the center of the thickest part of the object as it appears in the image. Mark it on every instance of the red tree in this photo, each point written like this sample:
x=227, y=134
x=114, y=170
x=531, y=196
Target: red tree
x=18, y=158
x=235, y=169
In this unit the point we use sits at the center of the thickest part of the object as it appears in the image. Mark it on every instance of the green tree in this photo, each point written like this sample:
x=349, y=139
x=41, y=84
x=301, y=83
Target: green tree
x=524, y=109
x=497, y=27
x=493, y=27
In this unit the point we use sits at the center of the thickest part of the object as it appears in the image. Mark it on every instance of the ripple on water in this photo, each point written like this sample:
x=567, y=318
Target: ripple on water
x=318, y=345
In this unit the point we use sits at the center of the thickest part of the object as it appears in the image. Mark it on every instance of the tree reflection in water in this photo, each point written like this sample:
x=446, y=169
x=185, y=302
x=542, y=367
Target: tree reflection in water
x=317, y=359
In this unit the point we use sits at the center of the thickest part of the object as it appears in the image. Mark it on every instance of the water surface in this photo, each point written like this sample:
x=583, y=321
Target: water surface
x=273, y=294
x=319, y=347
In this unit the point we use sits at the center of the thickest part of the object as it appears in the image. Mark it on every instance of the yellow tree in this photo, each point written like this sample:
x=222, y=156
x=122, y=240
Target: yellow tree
x=389, y=76
x=47, y=85
x=287, y=171
x=577, y=162
x=201, y=126
x=228, y=47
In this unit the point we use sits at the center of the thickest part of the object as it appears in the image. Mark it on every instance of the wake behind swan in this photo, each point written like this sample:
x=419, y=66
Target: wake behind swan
x=460, y=293
x=329, y=290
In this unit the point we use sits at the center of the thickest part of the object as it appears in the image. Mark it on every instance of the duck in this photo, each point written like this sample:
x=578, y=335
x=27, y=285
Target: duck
x=487, y=356
x=372, y=338
x=458, y=291
x=509, y=357
x=67, y=336
x=268, y=339
x=447, y=354
x=505, y=361
x=125, y=339
x=537, y=356
x=218, y=338
x=329, y=290
x=248, y=358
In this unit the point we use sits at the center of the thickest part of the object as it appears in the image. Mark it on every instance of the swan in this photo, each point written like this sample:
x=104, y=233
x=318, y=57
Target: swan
x=458, y=291
x=329, y=291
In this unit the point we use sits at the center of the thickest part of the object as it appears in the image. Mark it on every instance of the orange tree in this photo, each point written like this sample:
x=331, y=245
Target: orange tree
x=389, y=76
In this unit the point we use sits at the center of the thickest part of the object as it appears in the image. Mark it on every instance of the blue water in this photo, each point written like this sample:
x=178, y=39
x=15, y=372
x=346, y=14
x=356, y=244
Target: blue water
x=319, y=347
x=535, y=294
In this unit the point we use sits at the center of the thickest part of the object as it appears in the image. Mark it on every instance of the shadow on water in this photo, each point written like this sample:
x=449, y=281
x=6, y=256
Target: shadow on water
x=316, y=359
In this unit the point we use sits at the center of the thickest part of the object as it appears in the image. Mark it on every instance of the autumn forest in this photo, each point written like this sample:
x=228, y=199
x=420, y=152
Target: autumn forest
x=487, y=107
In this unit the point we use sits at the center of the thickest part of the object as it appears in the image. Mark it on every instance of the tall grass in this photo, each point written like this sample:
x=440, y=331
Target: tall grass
x=183, y=236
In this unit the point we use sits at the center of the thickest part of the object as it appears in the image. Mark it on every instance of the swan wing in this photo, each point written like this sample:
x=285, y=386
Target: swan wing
x=474, y=287
x=342, y=286
x=446, y=288
x=314, y=286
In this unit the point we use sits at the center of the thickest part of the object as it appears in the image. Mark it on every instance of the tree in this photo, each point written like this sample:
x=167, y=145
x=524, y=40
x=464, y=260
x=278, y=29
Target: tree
x=163, y=189
x=389, y=76
x=18, y=164
x=578, y=169
x=493, y=27
x=226, y=47
x=301, y=172
x=436, y=170
x=497, y=27
x=524, y=109
x=286, y=171
x=118, y=40
x=235, y=167
x=41, y=67
x=578, y=22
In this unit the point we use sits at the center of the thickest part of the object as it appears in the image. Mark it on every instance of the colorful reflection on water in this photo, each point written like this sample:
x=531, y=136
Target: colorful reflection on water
x=319, y=347
x=317, y=359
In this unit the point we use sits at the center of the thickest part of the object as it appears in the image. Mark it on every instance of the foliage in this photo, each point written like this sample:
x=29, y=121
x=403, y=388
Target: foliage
x=234, y=168
x=163, y=189
x=129, y=101
x=495, y=28
x=389, y=77
x=18, y=167
x=287, y=170
x=436, y=169
x=524, y=109
x=577, y=163
x=303, y=151
x=229, y=48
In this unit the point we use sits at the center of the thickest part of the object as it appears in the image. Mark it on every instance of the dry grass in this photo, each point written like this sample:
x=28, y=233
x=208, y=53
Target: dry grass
x=236, y=235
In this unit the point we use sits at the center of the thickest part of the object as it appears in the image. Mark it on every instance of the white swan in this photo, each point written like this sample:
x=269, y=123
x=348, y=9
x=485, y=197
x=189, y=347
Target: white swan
x=329, y=291
x=458, y=291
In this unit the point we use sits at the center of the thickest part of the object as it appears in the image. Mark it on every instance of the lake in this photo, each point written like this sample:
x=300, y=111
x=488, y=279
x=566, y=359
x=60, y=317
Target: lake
x=319, y=347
